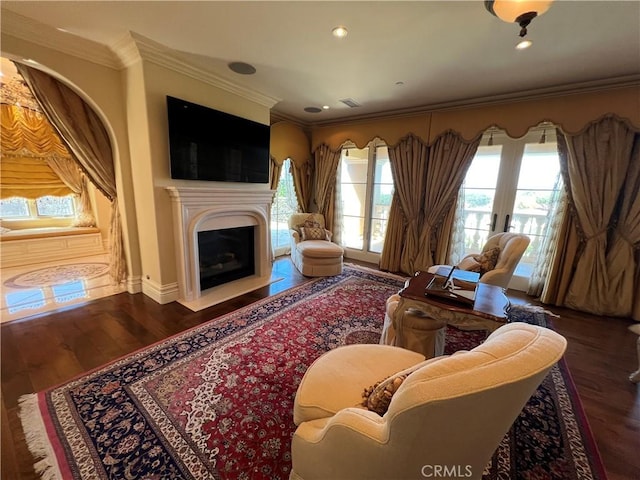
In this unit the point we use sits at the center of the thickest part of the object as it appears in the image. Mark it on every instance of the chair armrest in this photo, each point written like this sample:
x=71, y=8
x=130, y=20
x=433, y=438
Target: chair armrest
x=295, y=236
x=357, y=420
x=498, y=276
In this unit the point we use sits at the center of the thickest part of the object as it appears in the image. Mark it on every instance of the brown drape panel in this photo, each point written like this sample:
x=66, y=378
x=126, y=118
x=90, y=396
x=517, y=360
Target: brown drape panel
x=593, y=269
x=623, y=289
x=326, y=169
x=274, y=175
x=84, y=135
x=391, y=256
x=449, y=161
x=302, y=176
x=408, y=167
x=68, y=171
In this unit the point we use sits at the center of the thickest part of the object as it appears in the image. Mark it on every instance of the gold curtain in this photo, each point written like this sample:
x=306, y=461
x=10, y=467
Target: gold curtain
x=302, y=177
x=449, y=159
x=274, y=177
x=408, y=161
x=326, y=169
x=594, y=268
x=69, y=172
x=391, y=256
x=27, y=140
x=86, y=138
x=29, y=177
x=29, y=133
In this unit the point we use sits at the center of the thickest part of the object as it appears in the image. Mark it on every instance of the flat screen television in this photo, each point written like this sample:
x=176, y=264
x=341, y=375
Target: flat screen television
x=206, y=144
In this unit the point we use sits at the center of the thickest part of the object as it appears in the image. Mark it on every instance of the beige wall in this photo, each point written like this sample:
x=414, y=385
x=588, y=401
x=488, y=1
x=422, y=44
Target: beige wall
x=102, y=88
x=148, y=84
x=572, y=112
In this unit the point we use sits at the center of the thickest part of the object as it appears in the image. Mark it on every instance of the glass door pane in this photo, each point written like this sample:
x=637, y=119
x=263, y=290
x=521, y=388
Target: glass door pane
x=479, y=193
x=382, y=194
x=538, y=187
x=353, y=183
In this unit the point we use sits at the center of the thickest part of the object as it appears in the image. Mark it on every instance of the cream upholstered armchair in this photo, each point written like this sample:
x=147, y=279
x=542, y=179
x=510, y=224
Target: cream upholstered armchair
x=451, y=410
x=312, y=251
x=500, y=254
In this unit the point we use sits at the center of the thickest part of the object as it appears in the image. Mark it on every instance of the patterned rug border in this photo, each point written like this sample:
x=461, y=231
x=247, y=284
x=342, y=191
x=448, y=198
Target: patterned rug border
x=43, y=441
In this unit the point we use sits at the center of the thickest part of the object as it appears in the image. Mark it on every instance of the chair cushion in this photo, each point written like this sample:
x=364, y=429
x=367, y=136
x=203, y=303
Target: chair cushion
x=319, y=249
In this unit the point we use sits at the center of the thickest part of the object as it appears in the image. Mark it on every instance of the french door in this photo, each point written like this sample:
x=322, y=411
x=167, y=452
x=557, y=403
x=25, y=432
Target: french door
x=364, y=190
x=511, y=186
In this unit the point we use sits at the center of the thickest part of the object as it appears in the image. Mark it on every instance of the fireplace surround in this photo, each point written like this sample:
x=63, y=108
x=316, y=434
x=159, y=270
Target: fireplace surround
x=208, y=209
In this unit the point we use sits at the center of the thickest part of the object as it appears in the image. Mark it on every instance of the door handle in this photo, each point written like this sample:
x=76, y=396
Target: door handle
x=506, y=224
x=493, y=223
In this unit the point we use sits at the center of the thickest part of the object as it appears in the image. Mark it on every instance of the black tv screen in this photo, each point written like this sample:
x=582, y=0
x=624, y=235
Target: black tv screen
x=206, y=144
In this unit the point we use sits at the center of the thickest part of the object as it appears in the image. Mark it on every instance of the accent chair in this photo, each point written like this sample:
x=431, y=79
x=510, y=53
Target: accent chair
x=447, y=411
x=511, y=248
x=312, y=251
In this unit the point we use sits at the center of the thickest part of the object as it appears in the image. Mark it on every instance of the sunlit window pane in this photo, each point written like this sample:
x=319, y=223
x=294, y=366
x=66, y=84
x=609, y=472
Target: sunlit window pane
x=14, y=207
x=284, y=205
x=50, y=206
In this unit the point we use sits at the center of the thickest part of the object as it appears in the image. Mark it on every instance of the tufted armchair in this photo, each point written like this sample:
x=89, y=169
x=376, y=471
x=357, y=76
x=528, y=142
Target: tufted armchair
x=452, y=410
x=512, y=246
x=313, y=257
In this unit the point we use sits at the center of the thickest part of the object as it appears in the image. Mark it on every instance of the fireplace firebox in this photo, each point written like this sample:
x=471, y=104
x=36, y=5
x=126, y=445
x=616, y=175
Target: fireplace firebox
x=225, y=255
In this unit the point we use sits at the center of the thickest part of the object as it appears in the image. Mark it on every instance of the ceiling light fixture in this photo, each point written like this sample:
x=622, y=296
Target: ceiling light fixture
x=524, y=44
x=339, y=31
x=519, y=11
x=326, y=107
x=312, y=109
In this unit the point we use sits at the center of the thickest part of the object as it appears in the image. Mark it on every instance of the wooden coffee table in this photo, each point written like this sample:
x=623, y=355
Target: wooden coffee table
x=488, y=312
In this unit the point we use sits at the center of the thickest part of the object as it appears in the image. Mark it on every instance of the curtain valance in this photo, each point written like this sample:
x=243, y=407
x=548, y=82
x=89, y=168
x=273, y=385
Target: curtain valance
x=28, y=133
x=29, y=177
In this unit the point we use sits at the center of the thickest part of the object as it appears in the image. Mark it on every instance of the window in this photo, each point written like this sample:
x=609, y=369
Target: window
x=284, y=205
x=19, y=208
x=364, y=192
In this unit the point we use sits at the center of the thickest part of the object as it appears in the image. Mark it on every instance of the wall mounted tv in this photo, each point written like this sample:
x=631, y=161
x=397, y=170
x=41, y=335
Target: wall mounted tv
x=205, y=144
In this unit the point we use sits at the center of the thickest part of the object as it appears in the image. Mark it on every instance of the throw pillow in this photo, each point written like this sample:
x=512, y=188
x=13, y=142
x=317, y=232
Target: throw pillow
x=310, y=223
x=314, y=233
x=487, y=260
x=378, y=396
x=469, y=264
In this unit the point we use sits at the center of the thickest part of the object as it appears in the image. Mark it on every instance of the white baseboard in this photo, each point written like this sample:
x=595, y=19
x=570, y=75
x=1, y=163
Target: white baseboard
x=160, y=293
x=134, y=284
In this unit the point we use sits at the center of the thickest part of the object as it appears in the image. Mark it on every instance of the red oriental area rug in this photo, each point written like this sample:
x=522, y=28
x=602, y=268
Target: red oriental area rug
x=216, y=401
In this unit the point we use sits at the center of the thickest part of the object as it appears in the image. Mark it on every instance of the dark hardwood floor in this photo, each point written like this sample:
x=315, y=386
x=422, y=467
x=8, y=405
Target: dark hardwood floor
x=38, y=353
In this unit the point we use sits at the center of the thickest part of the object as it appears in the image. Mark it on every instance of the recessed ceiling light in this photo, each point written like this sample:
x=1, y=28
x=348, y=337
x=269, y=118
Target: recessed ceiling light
x=242, y=68
x=524, y=44
x=326, y=107
x=399, y=83
x=339, y=32
x=312, y=109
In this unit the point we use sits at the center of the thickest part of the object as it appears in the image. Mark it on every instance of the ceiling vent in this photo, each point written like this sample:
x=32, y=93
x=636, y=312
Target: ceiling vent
x=350, y=102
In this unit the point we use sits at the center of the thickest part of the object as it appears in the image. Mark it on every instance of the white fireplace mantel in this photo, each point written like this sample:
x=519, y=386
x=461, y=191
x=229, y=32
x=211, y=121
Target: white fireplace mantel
x=197, y=209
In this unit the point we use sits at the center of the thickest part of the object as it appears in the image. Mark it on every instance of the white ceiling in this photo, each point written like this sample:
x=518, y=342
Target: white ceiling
x=447, y=52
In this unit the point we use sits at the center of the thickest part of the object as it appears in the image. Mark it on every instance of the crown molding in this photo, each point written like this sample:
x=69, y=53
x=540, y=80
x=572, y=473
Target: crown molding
x=29, y=30
x=522, y=96
x=135, y=47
